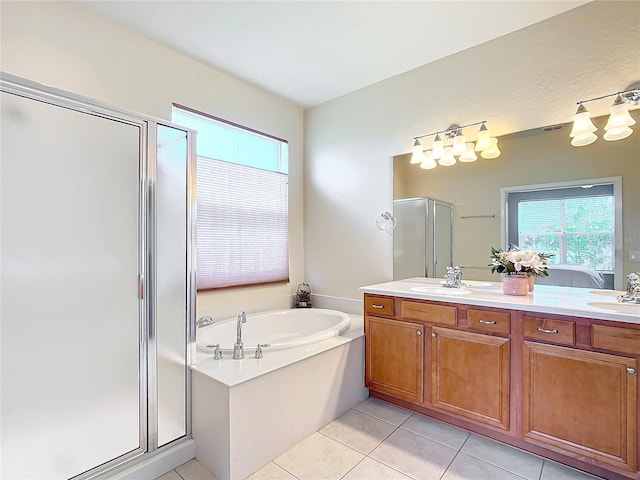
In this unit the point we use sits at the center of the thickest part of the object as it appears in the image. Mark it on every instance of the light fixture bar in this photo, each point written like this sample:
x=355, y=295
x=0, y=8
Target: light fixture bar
x=450, y=128
x=634, y=91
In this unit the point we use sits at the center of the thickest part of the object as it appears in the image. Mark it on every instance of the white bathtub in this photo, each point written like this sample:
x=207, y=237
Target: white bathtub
x=312, y=375
x=279, y=329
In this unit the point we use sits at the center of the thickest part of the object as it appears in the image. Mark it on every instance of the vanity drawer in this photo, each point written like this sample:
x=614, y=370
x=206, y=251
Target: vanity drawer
x=427, y=312
x=488, y=321
x=379, y=305
x=556, y=331
x=616, y=339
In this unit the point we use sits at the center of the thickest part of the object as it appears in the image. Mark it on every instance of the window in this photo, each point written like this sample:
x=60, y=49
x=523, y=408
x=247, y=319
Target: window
x=242, y=203
x=577, y=224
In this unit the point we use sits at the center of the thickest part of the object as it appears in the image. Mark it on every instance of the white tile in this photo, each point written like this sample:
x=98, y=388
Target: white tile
x=271, y=471
x=508, y=458
x=358, y=431
x=319, y=457
x=194, y=470
x=413, y=455
x=441, y=432
x=172, y=475
x=465, y=467
x=369, y=469
x=383, y=410
x=556, y=471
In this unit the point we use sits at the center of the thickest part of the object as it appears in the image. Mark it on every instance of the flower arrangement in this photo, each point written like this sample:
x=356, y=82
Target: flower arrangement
x=515, y=261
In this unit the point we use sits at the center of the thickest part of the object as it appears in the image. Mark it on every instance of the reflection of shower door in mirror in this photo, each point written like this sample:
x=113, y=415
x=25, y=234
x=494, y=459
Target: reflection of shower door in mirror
x=442, y=237
x=422, y=239
x=71, y=316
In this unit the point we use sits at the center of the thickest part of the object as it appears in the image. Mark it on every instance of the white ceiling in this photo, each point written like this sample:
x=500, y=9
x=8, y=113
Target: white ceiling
x=310, y=52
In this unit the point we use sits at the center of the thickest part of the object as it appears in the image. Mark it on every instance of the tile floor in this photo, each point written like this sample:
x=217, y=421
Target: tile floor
x=376, y=440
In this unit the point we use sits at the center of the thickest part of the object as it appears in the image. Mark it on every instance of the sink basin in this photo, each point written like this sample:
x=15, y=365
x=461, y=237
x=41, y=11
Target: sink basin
x=628, y=308
x=607, y=293
x=441, y=291
x=473, y=283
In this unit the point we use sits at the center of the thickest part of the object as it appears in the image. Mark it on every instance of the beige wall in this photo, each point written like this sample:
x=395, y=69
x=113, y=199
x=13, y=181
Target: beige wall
x=534, y=157
x=523, y=80
x=59, y=44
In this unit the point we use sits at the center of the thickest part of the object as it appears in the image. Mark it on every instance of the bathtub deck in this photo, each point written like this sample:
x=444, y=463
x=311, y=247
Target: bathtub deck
x=232, y=372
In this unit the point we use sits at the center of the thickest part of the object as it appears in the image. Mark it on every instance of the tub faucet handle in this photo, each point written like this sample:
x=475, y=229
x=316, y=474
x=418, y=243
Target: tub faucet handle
x=259, y=349
x=204, y=321
x=217, y=353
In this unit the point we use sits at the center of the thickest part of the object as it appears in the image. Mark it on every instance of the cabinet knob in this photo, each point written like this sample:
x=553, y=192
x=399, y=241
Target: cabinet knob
x=433, y=334
x=419, y=332
x=631, y=370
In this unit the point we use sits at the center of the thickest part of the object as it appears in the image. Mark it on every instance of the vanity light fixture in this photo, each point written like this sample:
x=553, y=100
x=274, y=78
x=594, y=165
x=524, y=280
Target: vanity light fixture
x=459, y=147
x=618, y=126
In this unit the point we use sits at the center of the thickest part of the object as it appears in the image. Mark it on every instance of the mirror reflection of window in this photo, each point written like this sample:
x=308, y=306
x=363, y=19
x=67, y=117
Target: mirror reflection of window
x=576, y=224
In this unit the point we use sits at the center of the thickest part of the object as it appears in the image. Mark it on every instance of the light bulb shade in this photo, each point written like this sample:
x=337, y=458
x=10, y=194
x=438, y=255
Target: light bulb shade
x=582, y=123
x=617, y=133
x=484, y=138
x=493, y=151
x=417, y=157
x=448, y=159
x=459, y=144
x=438, y=147
x=428, y=163
x=619, y=116
x=584, y=139
x=469, y=155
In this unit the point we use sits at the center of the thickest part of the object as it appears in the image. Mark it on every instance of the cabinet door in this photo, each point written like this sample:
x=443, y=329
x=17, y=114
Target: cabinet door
x=580, y=401
x=470, y=375
x=395, y=357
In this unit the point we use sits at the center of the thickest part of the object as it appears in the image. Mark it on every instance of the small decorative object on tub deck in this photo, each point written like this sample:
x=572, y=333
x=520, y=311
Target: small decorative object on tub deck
x=303, y=296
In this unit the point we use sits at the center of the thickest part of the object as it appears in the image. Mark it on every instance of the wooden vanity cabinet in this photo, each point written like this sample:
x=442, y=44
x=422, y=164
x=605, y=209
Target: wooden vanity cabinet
x=559, y=386
x=395, y=357
x=581, y=401
x=470, y=375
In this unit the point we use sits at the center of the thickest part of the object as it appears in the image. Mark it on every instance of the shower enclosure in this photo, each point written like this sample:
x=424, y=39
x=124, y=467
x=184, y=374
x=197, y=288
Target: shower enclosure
x=423, y=237
x=97, y=284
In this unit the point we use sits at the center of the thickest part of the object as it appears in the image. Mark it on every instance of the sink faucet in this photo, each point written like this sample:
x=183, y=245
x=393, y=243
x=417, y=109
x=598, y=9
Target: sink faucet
x=453, y=277
x=633, y=289
x=238, y=347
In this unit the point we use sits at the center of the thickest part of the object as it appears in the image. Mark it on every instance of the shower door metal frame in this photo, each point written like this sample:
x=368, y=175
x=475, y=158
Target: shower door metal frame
x=146, y=255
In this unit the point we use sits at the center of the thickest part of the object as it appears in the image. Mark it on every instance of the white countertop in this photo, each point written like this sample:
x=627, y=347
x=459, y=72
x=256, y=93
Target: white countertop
x=577, y=302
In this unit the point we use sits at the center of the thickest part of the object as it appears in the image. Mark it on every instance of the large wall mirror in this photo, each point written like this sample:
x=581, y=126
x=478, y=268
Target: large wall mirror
x=532, y=160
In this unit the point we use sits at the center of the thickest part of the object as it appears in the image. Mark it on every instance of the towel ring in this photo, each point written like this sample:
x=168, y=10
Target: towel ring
x=386, y=222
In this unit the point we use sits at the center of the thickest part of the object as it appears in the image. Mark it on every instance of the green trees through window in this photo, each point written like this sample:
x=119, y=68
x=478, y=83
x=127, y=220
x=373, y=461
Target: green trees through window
x=579, y=230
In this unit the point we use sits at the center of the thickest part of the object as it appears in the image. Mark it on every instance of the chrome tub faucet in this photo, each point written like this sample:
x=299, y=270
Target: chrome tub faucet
x=238, y=347
x=204, y=321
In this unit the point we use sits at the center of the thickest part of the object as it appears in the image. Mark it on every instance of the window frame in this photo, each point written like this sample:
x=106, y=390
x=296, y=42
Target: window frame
x=244, y=129
x=618, y=233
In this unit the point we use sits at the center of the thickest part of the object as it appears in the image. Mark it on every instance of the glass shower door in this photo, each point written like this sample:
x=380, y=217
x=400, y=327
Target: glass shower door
x=71, y=314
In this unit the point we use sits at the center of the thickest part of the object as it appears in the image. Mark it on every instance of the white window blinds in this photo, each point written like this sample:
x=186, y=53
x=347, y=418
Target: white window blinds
x=242, y=204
